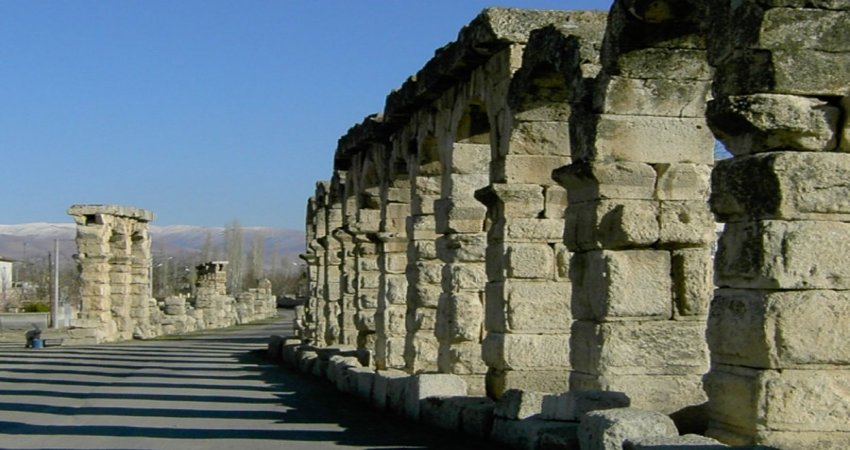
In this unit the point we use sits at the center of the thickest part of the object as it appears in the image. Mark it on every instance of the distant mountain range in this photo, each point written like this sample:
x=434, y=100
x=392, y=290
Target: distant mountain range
x=31, y=241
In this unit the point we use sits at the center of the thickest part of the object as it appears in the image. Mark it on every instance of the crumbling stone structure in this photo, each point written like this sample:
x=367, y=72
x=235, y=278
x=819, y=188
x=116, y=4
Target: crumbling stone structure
x=534, y=203
x=114, y=257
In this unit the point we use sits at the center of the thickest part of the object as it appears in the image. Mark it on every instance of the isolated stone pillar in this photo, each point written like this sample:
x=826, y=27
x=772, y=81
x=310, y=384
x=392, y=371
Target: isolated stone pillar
x=114, y=259
x=528, y=310
x=637, y=220
x=780, y=321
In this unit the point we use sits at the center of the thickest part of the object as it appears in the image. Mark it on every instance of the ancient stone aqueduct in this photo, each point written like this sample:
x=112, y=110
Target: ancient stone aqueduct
x=536, y=210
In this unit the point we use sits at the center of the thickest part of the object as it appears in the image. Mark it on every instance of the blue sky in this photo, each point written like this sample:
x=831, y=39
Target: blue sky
x=202, y=111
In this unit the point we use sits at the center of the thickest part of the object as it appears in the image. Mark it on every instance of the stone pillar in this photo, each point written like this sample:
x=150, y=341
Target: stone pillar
x=366, y=281
x=303, y=325
x=392, y=261
x=461, y=246
x=114, y=257
x=637, y=219
x=424, y=270
x=528, y=311
x=333, y=272
x=780, y=319
x=348, y=291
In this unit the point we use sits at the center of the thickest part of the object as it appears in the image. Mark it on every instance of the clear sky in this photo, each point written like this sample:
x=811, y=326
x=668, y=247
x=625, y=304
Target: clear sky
x=202, y=111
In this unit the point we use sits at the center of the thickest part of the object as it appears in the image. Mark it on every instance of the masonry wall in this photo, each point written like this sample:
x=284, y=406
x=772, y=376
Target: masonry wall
x=531, y=211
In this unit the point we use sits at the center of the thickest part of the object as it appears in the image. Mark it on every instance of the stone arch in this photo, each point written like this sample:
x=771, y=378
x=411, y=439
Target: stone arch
x=528, y=287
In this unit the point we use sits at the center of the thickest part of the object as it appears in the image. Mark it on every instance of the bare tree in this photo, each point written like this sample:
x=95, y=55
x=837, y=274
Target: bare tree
x=256, y=268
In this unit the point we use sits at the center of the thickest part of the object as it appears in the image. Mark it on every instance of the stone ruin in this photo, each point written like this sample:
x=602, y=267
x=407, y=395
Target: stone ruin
x=535, y=211
x=114, y=259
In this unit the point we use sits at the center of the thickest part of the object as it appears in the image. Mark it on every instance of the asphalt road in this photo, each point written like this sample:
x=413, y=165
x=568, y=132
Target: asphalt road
x=211, y=391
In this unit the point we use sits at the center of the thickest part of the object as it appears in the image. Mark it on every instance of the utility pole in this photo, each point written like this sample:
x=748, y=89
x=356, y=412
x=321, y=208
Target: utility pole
x=54, y=305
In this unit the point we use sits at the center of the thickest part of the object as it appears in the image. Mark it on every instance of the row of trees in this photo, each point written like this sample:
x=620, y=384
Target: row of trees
x=247, y=264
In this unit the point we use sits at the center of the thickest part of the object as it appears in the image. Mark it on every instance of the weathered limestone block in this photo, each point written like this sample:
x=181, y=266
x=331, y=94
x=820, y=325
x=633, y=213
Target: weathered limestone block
x=781, y=330
x=463, y=358
x=524, y=351
x=380, y=386
x=555, y=202
x=469, y=159
x=477, y=417
x=645, y=139
x=460, y=316
x=685, y=442
x=612, y=224
x=514, y=200
x=422, y=386
x=515, y=404
x=529, y=261
x=664, y=63
x=526, y=434
x=652, y=347
x=664, y=393
x=686, y=223
x=458, y=190
x=526, y=230
x=767, y=122
x=551, y=379
x=652, y=97
x=585, y=181
x=532, y=169
x=783, y=185
x=755, y=403
x=762, y=47
x=609, y=429
x=362, y=380
x=463, y=276
x=572, y=405
x=450, y=413
x=693, y=281
x=463, y=247
x=627, y=284
x=528, y=307
x=773, y=254
x=540, y=138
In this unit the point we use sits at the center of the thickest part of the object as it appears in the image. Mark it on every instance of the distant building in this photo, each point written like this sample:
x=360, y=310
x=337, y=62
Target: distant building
x=6, y=281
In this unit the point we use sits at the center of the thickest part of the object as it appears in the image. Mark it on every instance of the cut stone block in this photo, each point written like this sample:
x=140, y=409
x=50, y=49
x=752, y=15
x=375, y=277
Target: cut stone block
x=531, y=169
x=652, y=97
x=525, y=434
x=460, y=317
x=361, y=380
x=782, y=185
x=686, y=442
x=782, y=330
x=423, y=386
x=523, y=351
x=585, y=181
x=752, y=400
x=623, y=284
x=610, y=429
x=530, y=261
x=639, y=348
x=664, y=393
x=515, y=404
x=519, y=306
x=646, y=139
x=477, y=417
x=572, y=405
x=380, y=386
x=765, y=122
x=513, y=200
x=540, y=138
x=448, y=412
x=539, y=380
x=530, y=230
x=686, y=223
x=773, y=254
x=693, y=281
x=683, y=181
x=612, y=224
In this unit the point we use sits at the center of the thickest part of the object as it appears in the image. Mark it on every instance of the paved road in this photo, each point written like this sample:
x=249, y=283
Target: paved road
x=212, y=391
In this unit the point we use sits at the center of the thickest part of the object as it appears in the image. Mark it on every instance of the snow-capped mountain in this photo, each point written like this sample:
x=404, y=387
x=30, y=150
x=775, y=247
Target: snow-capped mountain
x=34, y=240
